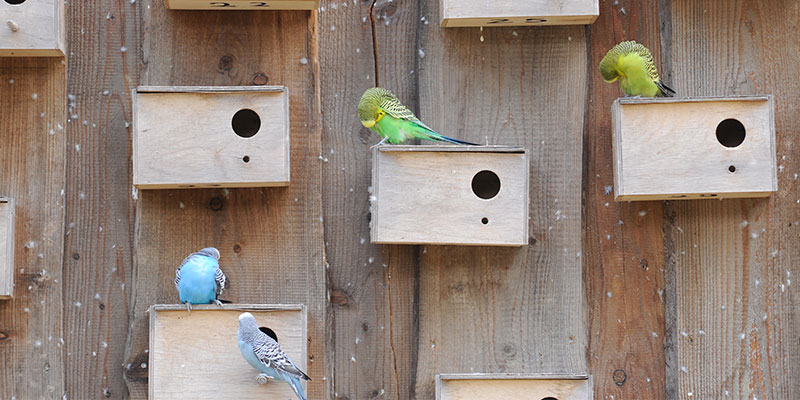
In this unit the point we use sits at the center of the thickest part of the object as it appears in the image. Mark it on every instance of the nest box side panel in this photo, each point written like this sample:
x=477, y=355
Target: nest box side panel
x=6, y=249
x=196, y=356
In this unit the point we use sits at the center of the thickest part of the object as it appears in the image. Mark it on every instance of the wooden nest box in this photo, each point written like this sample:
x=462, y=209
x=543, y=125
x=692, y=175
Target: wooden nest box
x=32, y=28
x=242, y=5
x=456, y=195
x=196, y=356
x=187, y=137
x=687, y=148
x=6, y=248
x=461, y=13
x=513, y=386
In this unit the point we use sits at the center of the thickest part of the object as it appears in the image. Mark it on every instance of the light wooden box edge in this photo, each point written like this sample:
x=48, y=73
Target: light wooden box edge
x=7, y=293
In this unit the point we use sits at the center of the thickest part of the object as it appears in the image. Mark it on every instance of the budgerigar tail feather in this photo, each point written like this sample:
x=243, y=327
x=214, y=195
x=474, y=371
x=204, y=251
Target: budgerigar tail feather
x=297, y=386
x=455, y=141
x=666, y=91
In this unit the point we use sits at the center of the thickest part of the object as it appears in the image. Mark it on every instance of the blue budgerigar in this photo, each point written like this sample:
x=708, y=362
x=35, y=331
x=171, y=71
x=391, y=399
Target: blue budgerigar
x=264, y=354
x=199, y=279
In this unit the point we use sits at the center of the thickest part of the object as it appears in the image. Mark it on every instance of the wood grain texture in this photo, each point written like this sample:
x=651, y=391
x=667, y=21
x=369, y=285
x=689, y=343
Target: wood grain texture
x=6, y=248
x=430, y=197
x=192, y=355
x=512, y=386
x=32, y=159
x=104, y=44
x=190, y=138
x=735, y=258
x=624, y=264
x=270, y=239
x=672, y=149
x=495, y=310
x=462, y=13
x=33, y=29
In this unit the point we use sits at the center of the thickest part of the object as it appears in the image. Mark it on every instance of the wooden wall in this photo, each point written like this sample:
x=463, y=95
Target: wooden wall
x=680, y=299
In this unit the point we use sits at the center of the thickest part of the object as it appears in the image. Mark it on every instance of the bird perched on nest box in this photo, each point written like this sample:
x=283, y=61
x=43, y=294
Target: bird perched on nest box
x=632, y=64
x=263, y=353
x=381, y=111
x=199, y=279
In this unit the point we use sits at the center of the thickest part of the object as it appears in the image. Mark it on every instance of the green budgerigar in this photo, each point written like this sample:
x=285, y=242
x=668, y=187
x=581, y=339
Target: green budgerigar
x=632, y=64
x=382, y=112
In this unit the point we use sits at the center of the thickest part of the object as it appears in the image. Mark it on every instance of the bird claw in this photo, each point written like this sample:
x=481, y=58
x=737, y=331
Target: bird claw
x=217, y=302
x=188, y=307
x=263, y=379
x=379, y=143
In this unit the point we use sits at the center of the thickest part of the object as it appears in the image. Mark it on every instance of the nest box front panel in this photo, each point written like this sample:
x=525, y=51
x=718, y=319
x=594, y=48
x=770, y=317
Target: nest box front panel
x=461, y=13
x=32, y=28
x=512, y=386
x=694, y=148
x=211, y=139
x=242, y=5
x=450, y=197
x=196, y=356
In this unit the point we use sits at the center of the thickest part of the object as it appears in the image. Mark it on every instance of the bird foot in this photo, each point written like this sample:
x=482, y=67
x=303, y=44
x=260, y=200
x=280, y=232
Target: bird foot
x=217, y=302
x=188, y=307
x=379, y=143
x=263, y=379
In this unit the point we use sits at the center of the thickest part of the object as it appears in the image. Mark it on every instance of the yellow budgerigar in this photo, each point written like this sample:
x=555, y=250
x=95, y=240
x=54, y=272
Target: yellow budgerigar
x=632, y=64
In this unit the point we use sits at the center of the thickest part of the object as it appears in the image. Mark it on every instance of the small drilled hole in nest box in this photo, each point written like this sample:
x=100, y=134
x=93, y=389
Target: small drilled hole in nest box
x=486, y=184
x=269, y=332
x=731, y=169
x=484, y=220
x=246, y=123
x=15, y=2
x=730, y=133
x=246, y=159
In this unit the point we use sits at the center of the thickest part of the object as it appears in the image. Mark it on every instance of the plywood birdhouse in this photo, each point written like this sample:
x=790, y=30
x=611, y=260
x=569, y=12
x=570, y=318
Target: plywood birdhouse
x=210, y=137
x=690, y=148
x=6, y=248
x=459, y=195
x=460, y=13
x=196, y=356
x=513, y=386
x=241, y=5
x=32, y=28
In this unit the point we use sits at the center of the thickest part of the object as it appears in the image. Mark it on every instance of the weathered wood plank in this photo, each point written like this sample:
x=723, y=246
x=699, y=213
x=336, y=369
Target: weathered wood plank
x=624, y=266
x=372, y=288
x=32, y=161
x=270, y=239
x=102, y=68
x=491, y=309
x=734, y=258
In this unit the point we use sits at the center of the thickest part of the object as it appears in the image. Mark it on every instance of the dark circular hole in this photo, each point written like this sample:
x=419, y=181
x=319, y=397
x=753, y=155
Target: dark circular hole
x=246, y=123
x=485, y=184
x=269, y=332
x=484, y=220
x=730, y=133
x=15, y=2
x=732, y=169
x=246, y=159
x=549, y=398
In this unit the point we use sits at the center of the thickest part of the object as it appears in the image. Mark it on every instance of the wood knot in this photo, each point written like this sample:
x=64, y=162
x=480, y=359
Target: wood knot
x=260, y=79
x=216, y=204
x=3, y=335
x=339, y=298
x=237, y=248
x=620, y=377
x=225, y=64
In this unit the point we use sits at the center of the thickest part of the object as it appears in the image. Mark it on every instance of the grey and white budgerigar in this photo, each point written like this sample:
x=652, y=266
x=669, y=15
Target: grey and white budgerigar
x=199, y=279
x=264, y=354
